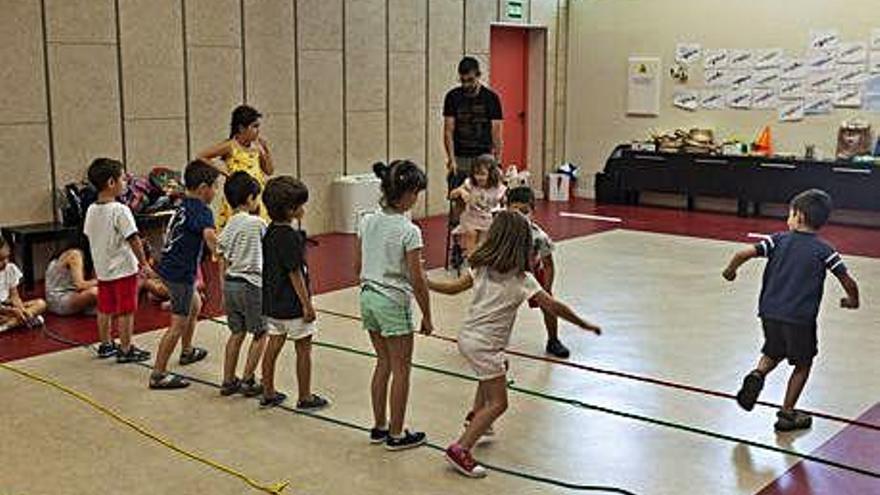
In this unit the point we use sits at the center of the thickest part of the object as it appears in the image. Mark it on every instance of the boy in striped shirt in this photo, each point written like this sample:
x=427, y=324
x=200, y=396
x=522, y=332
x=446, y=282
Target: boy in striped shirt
x=792, y=288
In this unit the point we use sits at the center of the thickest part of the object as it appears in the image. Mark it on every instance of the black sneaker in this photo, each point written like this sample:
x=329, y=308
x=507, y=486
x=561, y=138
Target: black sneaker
x=378, y=435
x=275, y=400
x=556, y=349
x=751, y=388
x=134, y=355
x=313, y=403
x=409, y=440
x=230, y=387
x=250, y=388
x=792, y=420
x=107, y=349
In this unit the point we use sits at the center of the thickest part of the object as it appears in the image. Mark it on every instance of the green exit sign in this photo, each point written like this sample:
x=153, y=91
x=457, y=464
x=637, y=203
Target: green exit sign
x=514, y=9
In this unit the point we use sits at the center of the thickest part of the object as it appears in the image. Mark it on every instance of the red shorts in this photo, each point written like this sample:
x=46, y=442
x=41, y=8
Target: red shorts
x=118, y=297
x=541, y=276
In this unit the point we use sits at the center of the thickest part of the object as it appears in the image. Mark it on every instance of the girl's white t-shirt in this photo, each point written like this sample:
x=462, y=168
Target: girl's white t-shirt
x=10, y=276
x=497, y=296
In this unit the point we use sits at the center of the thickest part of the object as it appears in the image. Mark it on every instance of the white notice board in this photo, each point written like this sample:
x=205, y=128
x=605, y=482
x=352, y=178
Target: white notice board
x=643, y=86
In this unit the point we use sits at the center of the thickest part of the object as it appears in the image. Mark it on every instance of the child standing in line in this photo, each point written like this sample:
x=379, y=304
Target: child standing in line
x=388, y=258
x=501, y=280
x=13, y=311
x=287, y=299
x=482, y=193
x=244, y=151
x=241, y=272
x=118, y=256
x=189, y=230
x=522, y=199
x=794, y=280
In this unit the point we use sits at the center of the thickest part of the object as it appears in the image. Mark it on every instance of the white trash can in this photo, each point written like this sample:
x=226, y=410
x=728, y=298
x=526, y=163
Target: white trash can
x=352, y=196
x=558, y=187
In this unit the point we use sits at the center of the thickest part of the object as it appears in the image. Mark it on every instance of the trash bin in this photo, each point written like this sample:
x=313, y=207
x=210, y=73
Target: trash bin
x=352, y=196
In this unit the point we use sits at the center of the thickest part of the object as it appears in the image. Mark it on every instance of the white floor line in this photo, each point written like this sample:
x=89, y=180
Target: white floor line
x=755, y=235
x=585, y=216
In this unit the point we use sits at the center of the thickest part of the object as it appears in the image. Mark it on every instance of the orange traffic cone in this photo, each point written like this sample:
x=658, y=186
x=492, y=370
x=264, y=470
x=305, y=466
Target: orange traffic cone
x=764, y=144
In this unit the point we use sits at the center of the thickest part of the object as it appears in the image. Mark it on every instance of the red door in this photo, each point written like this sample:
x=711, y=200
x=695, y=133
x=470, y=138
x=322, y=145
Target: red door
x=509, y=56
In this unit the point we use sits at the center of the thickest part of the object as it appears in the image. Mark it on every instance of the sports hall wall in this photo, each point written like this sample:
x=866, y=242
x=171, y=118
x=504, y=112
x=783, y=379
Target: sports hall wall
x=604, y=33
x=341, y=83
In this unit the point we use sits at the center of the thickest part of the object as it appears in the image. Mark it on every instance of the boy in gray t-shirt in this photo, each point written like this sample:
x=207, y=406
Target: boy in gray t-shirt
x=240, y=245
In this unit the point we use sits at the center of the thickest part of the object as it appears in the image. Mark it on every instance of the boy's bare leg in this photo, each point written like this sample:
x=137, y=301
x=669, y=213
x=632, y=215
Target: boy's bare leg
x=186, y=336
x=766, y=364
x=273, y=349
x=796, y=384
x=168, y=343
x=104, y=327
x=304, y=367
x=125, y=325
x=255, y=352
x=230, y=361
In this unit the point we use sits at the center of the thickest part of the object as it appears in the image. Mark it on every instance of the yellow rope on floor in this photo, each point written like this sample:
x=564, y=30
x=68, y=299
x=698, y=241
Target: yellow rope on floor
x=274, y=488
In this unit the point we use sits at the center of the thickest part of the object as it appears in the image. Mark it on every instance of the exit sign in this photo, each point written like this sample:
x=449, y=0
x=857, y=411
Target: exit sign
x=514, y=9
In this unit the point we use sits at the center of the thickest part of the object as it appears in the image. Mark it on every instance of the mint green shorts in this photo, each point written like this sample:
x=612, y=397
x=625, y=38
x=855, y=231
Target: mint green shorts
x=382, y=314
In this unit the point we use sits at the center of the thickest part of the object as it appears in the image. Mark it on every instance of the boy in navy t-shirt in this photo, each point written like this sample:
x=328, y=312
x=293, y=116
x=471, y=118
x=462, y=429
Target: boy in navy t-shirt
x=794, y=279
x=191, y=227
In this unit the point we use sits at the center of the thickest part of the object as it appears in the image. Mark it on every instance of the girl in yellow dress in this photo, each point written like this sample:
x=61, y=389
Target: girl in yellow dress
x=244, y=151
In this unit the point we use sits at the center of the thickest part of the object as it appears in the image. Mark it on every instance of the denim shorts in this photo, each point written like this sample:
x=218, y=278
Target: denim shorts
x=244, y=306
x=181, y=297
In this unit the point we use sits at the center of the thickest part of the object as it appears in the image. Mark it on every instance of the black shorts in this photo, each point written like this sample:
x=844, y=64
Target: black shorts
x=798, y=343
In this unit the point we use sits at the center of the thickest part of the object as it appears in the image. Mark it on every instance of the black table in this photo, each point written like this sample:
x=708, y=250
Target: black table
x=24, y=237
x=751, y=180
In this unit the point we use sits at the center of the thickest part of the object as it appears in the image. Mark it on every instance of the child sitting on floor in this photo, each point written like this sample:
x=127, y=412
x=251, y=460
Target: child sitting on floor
x=70, y=289
x=501, y=280
x=14, y=312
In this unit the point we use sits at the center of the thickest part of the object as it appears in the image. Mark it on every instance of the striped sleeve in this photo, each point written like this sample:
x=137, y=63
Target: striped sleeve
x=767, y=245
x=834, y=263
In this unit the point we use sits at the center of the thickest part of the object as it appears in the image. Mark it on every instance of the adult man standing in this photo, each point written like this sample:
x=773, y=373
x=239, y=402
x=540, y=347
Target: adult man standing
x=471, y=122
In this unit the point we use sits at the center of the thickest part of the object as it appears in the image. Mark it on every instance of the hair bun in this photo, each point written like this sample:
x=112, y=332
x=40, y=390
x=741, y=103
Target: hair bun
x=381, y=169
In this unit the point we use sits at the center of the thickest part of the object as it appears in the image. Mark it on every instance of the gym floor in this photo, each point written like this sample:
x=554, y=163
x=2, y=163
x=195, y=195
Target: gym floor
x=645, y=408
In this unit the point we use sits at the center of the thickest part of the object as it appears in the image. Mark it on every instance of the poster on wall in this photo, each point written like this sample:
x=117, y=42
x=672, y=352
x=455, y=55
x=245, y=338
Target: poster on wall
x=821, y=82
x=715, y=78
x=687, y=53
x=741, y=78
x=686, y=99
x=768, y=58
x=852, y=52
x=714, y=58
x=791, y=111
x=764, y=99
x=848, y=97
x=767, y=78
x=821, y=61
x=740, y=99
x=643, y=86
x=792, y=90
x=740, y=59
x=824, y=39
x=793, y=68
x=851, y=74
x=819, y=103
x=712, y=99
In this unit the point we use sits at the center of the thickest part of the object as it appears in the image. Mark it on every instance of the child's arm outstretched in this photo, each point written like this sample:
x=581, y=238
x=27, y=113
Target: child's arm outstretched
x=851, y=301
x=738, y=260
x=561, y=310
x=420, y=288
x=452, y=287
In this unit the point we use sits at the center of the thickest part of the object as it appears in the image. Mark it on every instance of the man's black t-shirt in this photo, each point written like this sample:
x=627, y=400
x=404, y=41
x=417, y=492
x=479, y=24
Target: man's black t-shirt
x=284, y=250
x=473, y=119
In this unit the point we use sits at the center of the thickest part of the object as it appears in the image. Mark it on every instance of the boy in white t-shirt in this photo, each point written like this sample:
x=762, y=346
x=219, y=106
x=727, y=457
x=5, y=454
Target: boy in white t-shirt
x=118, y=255
x=501, y=282
x=13, y=311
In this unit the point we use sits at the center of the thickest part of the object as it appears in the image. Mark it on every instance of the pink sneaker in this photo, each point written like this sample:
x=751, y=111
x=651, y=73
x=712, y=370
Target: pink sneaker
x=462, y=460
